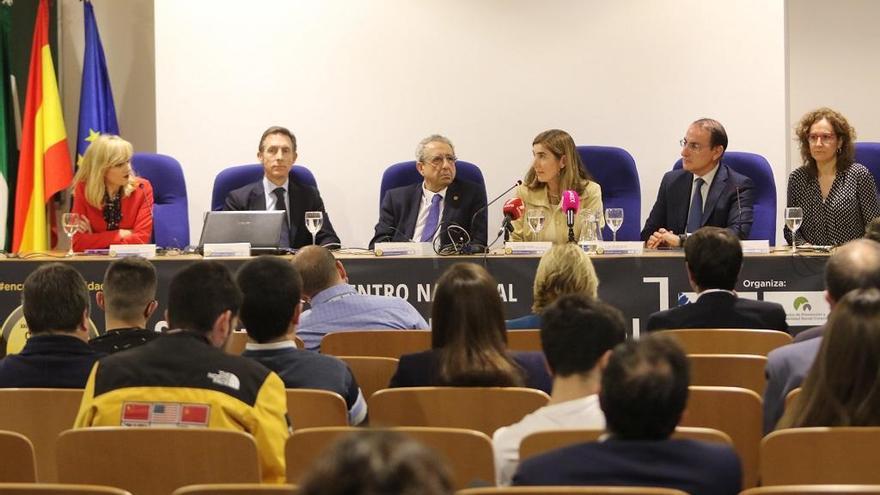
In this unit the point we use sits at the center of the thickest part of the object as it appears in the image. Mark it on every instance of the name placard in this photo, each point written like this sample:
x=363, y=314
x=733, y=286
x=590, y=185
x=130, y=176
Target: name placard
x=403, y=249
x=227, y=249
x=123, y=250
x=534, y=247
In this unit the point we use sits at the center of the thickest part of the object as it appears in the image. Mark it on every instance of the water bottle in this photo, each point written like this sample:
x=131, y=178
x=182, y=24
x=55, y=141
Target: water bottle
x=591, y=232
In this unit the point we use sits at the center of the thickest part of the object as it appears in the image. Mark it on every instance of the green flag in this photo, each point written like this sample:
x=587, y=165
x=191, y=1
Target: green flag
x=8, y=145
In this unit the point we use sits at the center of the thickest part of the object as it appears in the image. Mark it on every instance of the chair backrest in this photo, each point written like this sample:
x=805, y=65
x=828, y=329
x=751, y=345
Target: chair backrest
x=729, y=370
x=821, y=456
x=735, y=411
x=545, y=441
x=235, y=489
x=405, y=173
x=310, y=408
x=728, y=340
x=791, y=396
x=814, y=490
x=524, y=340
x=154, y=461
x=373, y=373
x=483, y=409
x=237, y=341
x=468, y=452
x=40, y=414
x=18, y=464
x=570, y=490
x=395, y=343
x=58, y=489
x=757, y=168
x=615, y=170
x=170, y=204
x=232, y=178
x=868, y=154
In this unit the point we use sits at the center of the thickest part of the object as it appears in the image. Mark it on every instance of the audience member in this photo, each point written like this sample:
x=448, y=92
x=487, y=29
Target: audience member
x=855, y=265
x=713, y=258
x=564, y=269
x=703, y=192
x=468, y=339
x=270, y=312
x=277, y=153
x=378, y=463
x=842, y=386
x=577, y=335
x=872, y=230
x=185, y=378
x=424, y=211
x=128, y=299
x=55, y=301
x=643, y=394
x=337, y=306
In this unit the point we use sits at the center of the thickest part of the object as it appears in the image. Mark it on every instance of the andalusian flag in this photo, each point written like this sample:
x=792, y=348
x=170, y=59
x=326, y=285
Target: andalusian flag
x=44, y=167
x=97, y=114
x=8, y=145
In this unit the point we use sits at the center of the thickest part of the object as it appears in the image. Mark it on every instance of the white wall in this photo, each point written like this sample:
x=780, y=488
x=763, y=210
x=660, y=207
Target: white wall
x=361, y=82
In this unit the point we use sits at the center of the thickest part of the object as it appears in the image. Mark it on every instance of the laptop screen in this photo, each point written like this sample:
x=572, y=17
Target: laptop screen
x=260, y=228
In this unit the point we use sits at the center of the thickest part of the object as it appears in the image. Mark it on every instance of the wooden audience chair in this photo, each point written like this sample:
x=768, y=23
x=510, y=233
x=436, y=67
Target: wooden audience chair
x=729, y=370
x=570, y=490
x=373, y=373
x=382, y=343
x=17, y=462
x=238, y=340
x=468, y=452
x=791, y=396
x=483, y=409
x=235, y=489
x=58, y=489
x=309, y=408
x=735, y=411
x=808, y=456
x=524, y=340
x=40, y=414
x=156, y=461
x=728, y=340
x=814, y=490
x=545, y=441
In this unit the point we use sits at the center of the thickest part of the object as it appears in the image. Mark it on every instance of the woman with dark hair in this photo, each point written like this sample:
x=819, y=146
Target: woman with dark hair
x=469, y=339
x=843, y=387
x=556, y=168
x=838, y=195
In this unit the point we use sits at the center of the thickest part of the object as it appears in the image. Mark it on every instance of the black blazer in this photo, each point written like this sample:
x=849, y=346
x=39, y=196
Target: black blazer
x=49, y=361
x=400, y=207
x=721, y=310
x=728, y=204
x=301, y=198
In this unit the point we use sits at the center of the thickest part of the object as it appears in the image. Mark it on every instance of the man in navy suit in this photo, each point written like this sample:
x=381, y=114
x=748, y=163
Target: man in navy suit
x=704, y=192
x=277, y=152
x=424, y=211
x=643, y=393
x=713, y=258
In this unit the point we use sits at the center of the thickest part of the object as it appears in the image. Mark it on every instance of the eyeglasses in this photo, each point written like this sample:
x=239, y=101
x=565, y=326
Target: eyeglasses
x=824, y=137
x=695, y=147
x=439, y=160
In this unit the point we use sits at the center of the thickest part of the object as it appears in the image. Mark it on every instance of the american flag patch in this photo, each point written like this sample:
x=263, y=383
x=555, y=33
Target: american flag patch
x=165, y=414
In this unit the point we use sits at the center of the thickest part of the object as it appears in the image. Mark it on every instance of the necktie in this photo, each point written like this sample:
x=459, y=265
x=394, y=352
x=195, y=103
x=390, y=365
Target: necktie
x=433, y=218
x=695, y=214
x=281, y=205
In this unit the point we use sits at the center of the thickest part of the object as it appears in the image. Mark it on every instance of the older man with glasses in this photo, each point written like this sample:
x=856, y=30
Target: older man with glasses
x=423, y=211
x=704, y=192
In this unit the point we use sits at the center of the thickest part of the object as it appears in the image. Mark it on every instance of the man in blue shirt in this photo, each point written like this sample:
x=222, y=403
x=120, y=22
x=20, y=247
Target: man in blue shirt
x=337, y=306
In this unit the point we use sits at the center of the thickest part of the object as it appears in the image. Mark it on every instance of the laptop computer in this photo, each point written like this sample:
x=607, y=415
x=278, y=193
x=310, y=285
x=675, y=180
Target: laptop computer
x=260, y=228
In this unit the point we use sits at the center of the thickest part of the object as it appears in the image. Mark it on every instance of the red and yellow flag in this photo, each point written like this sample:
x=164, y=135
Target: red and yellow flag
x=44, y=166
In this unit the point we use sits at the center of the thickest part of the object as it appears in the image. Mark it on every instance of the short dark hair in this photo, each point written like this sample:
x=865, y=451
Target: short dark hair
x=645, y=388
x=317, y=267
x=54, y=298
x=714, y=257
x=271, y=288
x=855, y=265
x=277, y=129
x=199, y=294
x=717, y=134
x=129, y=285
x=577, y=330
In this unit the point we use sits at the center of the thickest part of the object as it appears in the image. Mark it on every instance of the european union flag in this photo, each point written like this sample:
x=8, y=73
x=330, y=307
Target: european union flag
x=97, y=113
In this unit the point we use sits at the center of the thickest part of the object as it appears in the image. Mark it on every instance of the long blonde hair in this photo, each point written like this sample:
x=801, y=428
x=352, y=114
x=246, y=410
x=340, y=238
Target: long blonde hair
x=575, y=176
x=105, y=151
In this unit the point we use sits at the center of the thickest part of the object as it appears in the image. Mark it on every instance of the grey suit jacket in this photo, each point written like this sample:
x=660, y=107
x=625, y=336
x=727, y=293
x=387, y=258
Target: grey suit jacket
x=786, y=368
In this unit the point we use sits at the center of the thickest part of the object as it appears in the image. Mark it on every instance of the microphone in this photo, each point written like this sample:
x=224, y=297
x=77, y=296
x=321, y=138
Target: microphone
x=513, y=210
x=490, y=203
x=571, y=203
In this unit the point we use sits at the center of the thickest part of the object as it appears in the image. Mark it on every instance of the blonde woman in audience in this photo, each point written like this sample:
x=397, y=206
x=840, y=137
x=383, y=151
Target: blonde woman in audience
x=564, y=269
x=843, y=387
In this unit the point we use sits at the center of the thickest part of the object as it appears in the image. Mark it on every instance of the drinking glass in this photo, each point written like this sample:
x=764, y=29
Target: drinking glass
x=314, y=221
x=535, y=218
x=614, y=219
x=793, y=218
x=70, y=222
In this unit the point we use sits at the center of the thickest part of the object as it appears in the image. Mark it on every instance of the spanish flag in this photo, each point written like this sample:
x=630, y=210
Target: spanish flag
x=44, y=166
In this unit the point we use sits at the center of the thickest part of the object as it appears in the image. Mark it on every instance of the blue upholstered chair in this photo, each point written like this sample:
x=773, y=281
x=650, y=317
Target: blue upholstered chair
x=868, y=154
x=757, y=168
x=232, y=178
x=405, y=173
x=615, y=170
x=170, y=205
